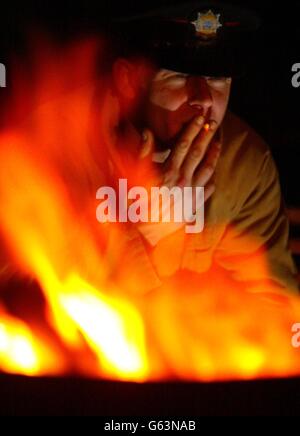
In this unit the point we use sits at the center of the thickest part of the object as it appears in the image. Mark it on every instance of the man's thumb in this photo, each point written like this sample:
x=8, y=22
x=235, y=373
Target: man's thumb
x=147, y=145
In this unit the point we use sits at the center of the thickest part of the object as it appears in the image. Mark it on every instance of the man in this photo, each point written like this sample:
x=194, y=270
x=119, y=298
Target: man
x=198, y=142
x=195, y=142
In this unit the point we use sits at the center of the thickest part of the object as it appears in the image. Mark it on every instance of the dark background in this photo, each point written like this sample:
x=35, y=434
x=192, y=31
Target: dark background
x=265, y=97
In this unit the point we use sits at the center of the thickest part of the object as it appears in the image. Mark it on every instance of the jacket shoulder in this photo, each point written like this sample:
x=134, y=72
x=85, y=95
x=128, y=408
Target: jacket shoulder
x=241, y=140
x=246, y=162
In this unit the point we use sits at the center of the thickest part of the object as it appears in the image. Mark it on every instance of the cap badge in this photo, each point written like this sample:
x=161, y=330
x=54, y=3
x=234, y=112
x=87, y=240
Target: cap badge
x=207, y=24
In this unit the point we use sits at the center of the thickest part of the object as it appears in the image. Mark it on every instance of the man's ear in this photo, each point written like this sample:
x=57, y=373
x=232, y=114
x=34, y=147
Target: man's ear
x=123, y=76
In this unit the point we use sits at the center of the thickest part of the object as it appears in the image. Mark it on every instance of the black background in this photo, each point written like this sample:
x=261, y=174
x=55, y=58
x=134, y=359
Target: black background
x=21, y=396
x=265, y=97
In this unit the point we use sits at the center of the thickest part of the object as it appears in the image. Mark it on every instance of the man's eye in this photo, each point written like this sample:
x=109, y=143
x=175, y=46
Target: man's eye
x=218, y=81
x=174, y=82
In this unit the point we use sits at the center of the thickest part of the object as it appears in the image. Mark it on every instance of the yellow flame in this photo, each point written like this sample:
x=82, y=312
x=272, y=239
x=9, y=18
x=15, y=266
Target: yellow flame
x=22, y=353
x=113, y=329
x=17, y=351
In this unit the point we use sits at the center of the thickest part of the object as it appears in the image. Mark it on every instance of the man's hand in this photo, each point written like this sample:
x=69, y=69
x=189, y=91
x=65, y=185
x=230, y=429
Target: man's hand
x=191, y=163
x=193, y=159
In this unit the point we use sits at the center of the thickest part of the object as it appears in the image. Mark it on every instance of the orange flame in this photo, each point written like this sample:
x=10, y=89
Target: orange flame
x=34, y=221
x=48, y=182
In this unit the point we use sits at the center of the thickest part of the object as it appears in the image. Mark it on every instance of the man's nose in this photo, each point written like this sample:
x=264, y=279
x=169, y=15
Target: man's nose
x=200, y=96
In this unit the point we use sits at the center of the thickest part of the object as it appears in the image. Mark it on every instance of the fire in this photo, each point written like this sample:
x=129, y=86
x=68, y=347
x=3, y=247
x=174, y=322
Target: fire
x=40, y=210
x=22, y=352
x=113, y=329
x=93, y=326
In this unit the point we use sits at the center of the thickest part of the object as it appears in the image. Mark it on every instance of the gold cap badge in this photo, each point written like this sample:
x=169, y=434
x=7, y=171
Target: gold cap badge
x=207, y=24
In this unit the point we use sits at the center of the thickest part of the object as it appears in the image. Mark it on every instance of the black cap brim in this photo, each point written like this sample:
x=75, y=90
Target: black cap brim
x=168, y=36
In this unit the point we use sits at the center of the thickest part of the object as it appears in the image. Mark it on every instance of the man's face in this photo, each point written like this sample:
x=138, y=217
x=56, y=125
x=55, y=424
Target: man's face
x=176, y=98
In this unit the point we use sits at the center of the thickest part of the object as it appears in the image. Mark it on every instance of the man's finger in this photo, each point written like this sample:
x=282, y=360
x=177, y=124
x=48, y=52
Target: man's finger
x=207, y=170
x=198, y=150
x=148, y=144
x=183, y=145
x=209, y=191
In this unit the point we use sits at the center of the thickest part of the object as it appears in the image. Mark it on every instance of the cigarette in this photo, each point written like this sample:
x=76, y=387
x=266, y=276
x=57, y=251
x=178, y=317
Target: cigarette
x=206, y=127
